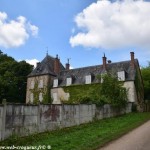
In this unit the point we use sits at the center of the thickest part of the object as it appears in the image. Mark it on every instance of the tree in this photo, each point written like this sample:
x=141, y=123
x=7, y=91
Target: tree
x=146, y=80
x=13, y=77
x=112, y=91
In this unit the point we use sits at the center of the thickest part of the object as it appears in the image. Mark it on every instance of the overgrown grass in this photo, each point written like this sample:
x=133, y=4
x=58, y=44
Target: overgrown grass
x=84, y=137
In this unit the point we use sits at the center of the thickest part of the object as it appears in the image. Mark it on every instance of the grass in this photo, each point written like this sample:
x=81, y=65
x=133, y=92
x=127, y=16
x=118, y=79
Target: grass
x=84, y=137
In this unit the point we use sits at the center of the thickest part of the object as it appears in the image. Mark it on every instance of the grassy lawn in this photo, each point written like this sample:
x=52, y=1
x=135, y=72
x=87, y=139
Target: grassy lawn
x=84, y=137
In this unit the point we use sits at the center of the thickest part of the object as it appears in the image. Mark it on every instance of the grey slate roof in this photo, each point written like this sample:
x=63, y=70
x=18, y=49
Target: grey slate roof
x=78, y=75
x=45, y=67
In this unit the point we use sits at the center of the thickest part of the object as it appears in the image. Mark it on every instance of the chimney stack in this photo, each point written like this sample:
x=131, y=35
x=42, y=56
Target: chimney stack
x=104, y=62
x=57, y=65
x=109, y=61
x=67, y=65
x=132, y=59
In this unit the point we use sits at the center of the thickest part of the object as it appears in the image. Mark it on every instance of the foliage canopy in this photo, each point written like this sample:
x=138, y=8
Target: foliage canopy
x=146, y=79
x=13, y=77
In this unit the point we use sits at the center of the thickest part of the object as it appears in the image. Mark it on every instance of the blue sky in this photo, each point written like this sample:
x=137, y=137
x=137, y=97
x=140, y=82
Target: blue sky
x=78, y=29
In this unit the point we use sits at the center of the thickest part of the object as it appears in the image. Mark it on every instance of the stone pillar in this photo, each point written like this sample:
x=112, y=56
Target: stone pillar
x=38, y=117
x=4, y=119
x=79, y=113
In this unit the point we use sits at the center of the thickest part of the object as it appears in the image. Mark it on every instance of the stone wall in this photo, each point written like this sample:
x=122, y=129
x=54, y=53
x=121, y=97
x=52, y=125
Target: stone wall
x=47, y=80
x=24, y=119
x=132, y=95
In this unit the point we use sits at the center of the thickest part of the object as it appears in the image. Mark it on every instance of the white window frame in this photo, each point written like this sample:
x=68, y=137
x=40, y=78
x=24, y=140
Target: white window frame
x=69, y=81
x=55, y=83
x=121, y=75
x=55, y=97
x=40, y=97
x=88, y=79
x=32, y=84
x=40, y=85
x=31, y=97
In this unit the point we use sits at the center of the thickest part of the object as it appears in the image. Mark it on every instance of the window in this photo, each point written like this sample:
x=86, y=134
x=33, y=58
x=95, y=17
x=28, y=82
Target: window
x=40, y=84
x=55, y=83
x=32, y=85
x=88, y=79
x=31, y=97
x=55, y=97
x=40, y=97
x=69, y=81
x=121, y=75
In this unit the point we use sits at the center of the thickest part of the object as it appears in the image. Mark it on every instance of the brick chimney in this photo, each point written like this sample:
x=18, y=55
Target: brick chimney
x=57, y=65
x=132, y=59
x=104, y=62
x=67, y=65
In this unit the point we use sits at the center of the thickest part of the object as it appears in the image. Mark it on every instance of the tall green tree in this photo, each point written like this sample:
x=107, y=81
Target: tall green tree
x=146, y=79
x=112, y=91
x=13, y=77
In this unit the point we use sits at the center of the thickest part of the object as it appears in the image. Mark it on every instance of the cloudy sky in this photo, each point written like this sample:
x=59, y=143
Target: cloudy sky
x=82, y=30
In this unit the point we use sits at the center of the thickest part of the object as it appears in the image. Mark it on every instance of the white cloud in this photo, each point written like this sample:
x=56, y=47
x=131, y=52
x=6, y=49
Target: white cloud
x=32, y=62
x=14, y=33
x=71, y=67
x=110, y=25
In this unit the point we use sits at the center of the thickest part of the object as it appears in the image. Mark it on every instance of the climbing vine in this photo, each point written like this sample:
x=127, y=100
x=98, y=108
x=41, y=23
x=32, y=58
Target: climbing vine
x=110, y=91
x=45, y=93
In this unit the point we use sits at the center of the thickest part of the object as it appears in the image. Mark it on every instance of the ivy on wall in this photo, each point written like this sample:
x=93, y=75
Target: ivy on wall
x=82, y=93
x=45, y=93
x=110, y=91
x=139, y=86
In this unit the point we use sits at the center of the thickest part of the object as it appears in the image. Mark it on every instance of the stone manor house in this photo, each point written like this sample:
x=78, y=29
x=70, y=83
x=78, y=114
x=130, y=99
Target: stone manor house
x=50, y=76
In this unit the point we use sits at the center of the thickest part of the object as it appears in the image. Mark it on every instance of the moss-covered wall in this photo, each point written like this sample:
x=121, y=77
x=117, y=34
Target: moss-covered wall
x=45, y=90
x=78, y=91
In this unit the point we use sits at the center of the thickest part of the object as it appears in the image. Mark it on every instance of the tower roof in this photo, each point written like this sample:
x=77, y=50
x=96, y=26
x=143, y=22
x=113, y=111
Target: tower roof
x=46, y=66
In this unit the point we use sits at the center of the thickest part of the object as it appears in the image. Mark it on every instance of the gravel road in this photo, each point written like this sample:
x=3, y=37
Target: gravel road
x=138, y=139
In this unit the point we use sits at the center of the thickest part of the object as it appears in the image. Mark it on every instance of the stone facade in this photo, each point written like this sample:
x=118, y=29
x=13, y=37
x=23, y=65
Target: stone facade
x=52, y=74
x=58, y=95
x=132, y=95
x=42, y=83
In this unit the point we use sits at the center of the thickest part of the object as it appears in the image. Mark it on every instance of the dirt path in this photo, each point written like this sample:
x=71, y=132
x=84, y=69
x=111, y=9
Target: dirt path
x=138, y=139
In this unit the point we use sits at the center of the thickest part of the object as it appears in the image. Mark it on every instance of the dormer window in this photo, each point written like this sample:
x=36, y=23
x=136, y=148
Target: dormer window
x=69, y=81
x=32, y=85
x=88, y=79
x=55, y=83
x=121, y=75
x=40, y=84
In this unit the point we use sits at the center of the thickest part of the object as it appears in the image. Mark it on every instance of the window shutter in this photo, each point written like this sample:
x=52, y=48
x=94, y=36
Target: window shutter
x=55, y=96
x=69, y=81
x=40, y=84
x=40, y=97
x=88, y=79
x=31, y=98
x=55, y=83
x=121, y=75
x=32, y=85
